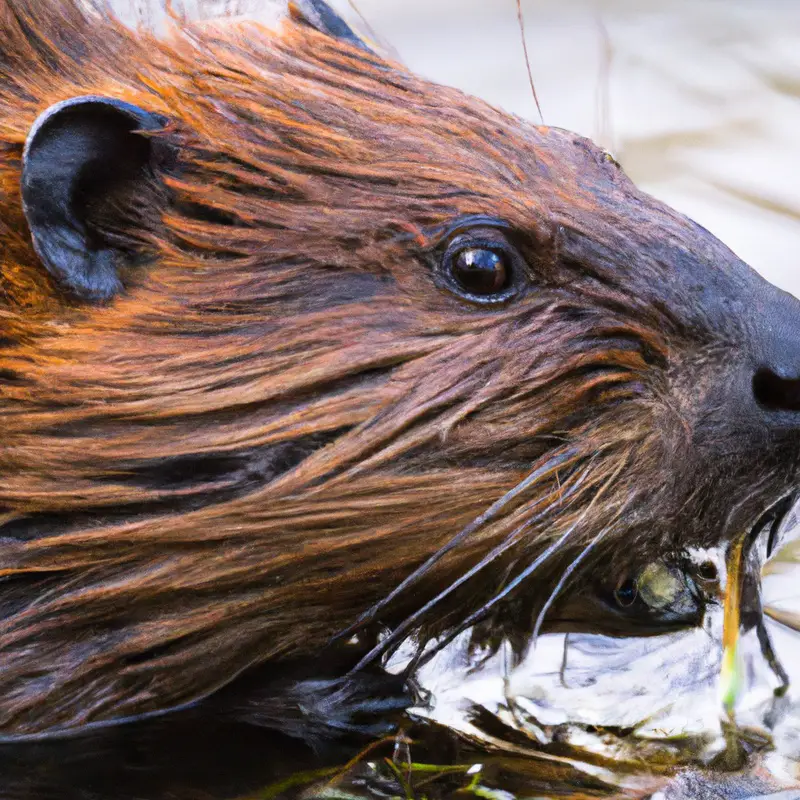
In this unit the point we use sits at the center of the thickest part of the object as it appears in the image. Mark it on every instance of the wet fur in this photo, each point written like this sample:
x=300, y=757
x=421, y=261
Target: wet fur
x=284, y=415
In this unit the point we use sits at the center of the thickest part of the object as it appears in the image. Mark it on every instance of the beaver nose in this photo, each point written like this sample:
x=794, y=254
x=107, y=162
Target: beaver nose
x=776, y=380
x=775, y=391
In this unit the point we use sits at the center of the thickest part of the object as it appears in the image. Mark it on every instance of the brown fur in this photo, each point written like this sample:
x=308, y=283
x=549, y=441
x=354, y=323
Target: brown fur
x=283, y=415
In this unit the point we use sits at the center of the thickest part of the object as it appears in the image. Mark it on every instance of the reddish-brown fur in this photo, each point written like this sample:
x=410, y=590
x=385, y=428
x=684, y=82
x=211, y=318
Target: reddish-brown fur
x=283, y=415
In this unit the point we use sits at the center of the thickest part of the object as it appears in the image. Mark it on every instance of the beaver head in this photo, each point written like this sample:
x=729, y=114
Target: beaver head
x=295, y=341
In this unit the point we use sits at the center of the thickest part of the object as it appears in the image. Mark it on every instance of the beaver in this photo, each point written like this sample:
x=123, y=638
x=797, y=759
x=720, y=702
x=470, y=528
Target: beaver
x=303, y=355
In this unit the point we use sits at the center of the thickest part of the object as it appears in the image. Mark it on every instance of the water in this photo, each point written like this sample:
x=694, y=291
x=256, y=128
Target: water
x=699, y=102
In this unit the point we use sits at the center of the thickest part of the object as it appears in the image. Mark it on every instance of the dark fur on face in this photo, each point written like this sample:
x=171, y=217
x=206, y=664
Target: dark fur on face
x=288, y=410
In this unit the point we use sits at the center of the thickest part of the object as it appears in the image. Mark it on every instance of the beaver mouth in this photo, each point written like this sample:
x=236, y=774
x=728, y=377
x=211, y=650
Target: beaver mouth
x=588, y=605
x=672, y=592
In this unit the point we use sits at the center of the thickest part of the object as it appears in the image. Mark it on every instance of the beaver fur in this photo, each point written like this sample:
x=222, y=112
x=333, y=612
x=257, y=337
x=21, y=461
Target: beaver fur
x=247, y=413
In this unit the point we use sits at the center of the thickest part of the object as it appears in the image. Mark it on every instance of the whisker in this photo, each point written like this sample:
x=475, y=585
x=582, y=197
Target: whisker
x=371, y=613
x=565, y=577
x=771, y=657
x=531, y=643
x=789, y=619
x=423, y=657
x=365, y=22
x=498, y=551
x=521, y=19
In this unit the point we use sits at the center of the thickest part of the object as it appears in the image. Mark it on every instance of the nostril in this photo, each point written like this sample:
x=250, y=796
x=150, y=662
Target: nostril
x=775, y=393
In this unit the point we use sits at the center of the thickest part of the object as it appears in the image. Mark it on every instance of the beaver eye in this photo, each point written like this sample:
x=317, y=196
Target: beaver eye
x=626, y=593
x=481, y=265
x=480, y=271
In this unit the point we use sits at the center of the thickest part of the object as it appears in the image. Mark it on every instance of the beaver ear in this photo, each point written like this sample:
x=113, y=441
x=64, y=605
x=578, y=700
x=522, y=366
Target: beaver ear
x=318, y=14
x=84, y=158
